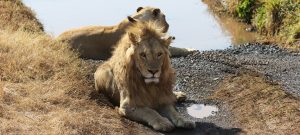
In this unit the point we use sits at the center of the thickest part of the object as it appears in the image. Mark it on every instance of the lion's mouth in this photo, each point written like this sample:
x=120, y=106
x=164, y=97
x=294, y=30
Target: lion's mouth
x=151, y=80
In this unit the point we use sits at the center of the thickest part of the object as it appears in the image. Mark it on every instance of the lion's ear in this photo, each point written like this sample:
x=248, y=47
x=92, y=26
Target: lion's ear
x=139, y=9
x=134, y=39
x=130, y=19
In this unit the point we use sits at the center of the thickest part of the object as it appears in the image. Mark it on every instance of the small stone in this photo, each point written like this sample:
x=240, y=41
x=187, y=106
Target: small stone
x=215, y=79
x=249, y=29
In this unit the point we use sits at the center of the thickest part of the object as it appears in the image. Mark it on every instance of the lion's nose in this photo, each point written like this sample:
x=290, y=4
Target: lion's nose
x=153, y=71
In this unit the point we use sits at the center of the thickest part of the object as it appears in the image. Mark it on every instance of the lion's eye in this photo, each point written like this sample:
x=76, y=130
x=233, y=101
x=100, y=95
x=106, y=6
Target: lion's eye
x=159, y=54
x=143, y=55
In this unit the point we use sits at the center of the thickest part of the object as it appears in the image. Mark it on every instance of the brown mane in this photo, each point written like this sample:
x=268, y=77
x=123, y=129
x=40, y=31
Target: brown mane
x=128, y=77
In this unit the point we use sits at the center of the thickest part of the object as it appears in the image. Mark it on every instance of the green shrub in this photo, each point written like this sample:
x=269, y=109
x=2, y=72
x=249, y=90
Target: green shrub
x=278, y=18
x=274, y=15
x=245, y=9
x=291, y=21
x=260, y=19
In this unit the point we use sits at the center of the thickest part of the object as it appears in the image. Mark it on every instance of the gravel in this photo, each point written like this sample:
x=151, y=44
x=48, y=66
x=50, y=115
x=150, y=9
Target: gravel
x=279, y=65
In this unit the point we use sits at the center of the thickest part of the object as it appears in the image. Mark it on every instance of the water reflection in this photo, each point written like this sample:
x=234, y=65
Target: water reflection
x=237, y=30
x=230, y=25
x=201, y=110
x=190, y=21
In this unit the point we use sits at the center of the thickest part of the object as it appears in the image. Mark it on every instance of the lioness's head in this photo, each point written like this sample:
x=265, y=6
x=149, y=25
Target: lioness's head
x=149, y=50
x=147, y=14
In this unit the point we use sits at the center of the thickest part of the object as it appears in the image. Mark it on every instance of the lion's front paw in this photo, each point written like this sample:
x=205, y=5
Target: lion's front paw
x=163, y=125
x=185, y=123
x=180, y=96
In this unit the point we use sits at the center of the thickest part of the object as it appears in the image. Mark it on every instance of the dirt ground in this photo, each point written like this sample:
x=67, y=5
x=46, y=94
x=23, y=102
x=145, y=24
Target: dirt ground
x=260, y=107
x=249, y=86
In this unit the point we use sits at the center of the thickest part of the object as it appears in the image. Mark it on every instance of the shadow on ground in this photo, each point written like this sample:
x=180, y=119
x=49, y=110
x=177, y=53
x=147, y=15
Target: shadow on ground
x=204, y=128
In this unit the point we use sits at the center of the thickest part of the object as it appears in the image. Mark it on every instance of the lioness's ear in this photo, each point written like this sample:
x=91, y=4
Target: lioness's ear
x=139, y=9
x=134, y=39
x=156, y=12
x=169, y=40
x=130, y=19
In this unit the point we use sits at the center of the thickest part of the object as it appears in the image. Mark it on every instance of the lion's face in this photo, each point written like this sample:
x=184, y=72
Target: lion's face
x=152, y=14
x=149, y=57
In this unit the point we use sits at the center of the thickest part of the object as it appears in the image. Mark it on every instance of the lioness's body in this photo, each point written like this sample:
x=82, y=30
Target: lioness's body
x=140, y=78
x=97, y=42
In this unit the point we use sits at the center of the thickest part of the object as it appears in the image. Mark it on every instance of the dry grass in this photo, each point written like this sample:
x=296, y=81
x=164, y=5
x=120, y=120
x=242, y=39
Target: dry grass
x=260, y=107
x=44, y=87
x=14, y=15
x=47, y=90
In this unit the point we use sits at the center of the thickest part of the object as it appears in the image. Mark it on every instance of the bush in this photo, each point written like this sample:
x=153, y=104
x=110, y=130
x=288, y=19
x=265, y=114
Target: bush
x=244, y=9
x=260, y=19
x=278, y=18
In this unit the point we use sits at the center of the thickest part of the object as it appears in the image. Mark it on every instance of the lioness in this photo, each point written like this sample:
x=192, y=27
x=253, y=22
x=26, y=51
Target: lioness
x=97, y=42
x=139, y=76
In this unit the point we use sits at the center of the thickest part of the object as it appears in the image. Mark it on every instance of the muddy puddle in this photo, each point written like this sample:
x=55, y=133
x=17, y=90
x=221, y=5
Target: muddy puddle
x=202, y=110
x=190, y=20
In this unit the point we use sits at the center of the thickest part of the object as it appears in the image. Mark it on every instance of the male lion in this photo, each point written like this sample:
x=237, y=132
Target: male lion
x=97, y=42
x=140, y=78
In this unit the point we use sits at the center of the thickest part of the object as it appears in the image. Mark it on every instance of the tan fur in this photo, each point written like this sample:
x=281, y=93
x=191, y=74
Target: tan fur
x=97, y=42
x=140, y=78
x=1, y=91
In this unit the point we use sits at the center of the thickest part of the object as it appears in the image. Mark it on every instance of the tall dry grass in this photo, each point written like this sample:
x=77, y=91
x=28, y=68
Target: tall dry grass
x=47, y=90
x=14, y=15
x=44, y=87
